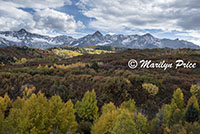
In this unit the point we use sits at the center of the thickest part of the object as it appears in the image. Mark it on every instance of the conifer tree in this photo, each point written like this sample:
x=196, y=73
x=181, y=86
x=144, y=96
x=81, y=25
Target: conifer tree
x=191, y=114
x=193, y=100
x=192, y=110
x=95, y=66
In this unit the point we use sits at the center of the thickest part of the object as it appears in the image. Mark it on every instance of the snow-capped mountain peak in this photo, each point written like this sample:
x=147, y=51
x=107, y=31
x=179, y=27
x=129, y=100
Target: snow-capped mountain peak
x=22, y=31
x=25, y=38
x=98, y=34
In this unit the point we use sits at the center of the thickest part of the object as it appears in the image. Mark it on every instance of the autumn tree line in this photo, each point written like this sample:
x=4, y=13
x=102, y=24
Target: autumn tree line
x=45, y=94
x=35, y=114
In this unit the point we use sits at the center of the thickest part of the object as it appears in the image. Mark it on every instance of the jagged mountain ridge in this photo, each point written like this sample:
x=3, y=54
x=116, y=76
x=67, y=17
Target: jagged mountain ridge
x=24, y=38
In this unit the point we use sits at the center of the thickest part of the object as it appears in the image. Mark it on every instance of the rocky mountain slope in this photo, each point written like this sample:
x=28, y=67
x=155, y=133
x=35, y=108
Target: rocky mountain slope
x=24, y=38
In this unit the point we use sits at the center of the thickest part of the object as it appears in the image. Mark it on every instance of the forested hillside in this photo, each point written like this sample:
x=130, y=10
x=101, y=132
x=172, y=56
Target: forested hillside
x=43, y=92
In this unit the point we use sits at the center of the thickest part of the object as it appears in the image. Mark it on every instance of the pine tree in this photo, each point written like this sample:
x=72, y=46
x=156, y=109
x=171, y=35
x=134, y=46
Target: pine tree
x=193, y=100
x=95, y=66
x=191, y=114
x=192, y=110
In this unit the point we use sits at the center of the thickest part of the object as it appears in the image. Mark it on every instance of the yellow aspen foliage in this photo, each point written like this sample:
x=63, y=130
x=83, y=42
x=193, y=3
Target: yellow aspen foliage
x=5, y=102
x=195, y=90
x=74, y=65
x=46, y=66
x=178, y=129
x=15, y=58
x=51, y=67
x=28, y=91
x=87, y=108
x=166, y=113
x=69, y=123
x=39, y=66
x=177, y=116
x=18, y=103
x=119, y=121
x=130, y=105
x=122, y=120
x=108, y=108
x=1, y=122
x=62, y=116
x=141, y=124
x=23, y=60
x=37, y=115
x=104, y=124
x=150, y=88
x=124, y=123
x=2, y=64
x=178, y=99
x=176, y=107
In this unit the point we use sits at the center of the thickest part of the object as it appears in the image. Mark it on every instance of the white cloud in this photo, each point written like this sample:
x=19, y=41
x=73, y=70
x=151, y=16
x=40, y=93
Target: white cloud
x=11, y=17
x=197, y=41
x=120, y=15
x=191, y=33
x=39, y=4
x=50, y=19
x=44, y=19
x=193, y=36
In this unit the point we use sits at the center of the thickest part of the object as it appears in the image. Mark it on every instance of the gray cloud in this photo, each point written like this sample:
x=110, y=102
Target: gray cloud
x=190, y=21
x=167, y=15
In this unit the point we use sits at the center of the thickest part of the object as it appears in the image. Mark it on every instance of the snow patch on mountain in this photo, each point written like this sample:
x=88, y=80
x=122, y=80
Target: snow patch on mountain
x=24, y=38
x=10, y=38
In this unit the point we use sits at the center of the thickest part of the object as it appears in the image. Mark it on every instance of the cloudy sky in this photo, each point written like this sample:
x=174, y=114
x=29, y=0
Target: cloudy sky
x=162, y=18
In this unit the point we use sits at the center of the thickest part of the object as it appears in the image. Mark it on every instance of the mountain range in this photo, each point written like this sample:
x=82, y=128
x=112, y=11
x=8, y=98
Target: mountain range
x=25, y=38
